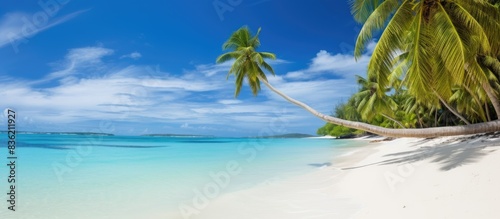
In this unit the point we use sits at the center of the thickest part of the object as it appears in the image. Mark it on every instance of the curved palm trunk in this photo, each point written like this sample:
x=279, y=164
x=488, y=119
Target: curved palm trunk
x=491, y=63
x=493, y=98
x=487, y=111
x=420, y=120
x=435, y=118
x=453, y=110
x=396, y=121
x=494, y=66
x=417, y=133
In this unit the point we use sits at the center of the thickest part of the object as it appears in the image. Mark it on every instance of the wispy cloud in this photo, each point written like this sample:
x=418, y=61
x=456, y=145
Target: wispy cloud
x=89, y=55
x=79, y=60
x=17, y=27
x=134, y=55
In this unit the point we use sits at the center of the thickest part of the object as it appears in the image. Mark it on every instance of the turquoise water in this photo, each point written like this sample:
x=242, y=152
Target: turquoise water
x=75, y=176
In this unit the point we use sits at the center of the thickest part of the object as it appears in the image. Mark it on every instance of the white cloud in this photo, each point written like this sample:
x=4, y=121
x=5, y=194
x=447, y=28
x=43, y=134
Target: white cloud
x=90, y=55
x=326, y=62
x=340, y=65
x=229, y=102
x=134, y=55
x=296, y=75
x=370, y=47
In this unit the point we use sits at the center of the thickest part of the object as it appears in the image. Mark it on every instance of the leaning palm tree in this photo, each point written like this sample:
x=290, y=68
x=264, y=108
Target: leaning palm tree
x=250, y=64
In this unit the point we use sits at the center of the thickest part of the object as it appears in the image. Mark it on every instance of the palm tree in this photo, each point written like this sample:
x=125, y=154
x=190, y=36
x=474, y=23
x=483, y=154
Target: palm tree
x=369, y=102
x=347, y=110
x=469, y=104
x=248, y=64
x=441, y=40
x=426, y=114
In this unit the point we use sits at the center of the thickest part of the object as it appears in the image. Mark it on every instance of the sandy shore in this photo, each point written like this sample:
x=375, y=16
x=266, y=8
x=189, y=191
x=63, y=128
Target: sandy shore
x=451, y=177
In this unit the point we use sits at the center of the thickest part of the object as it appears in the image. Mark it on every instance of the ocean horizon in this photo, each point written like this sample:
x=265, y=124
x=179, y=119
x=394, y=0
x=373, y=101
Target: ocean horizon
x=95, y=176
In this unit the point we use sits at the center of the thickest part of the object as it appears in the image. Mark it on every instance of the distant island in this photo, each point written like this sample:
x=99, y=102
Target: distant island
x=290, y=135
x=62, y=133
x=179, y=135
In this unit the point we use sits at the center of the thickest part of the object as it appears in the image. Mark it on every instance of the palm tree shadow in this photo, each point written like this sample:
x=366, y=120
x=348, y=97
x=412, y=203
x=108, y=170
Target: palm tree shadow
x=450, y=154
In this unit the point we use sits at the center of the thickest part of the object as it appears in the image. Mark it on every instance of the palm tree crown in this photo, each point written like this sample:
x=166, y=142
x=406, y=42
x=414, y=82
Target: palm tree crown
x=248, y=63
x=433, y=45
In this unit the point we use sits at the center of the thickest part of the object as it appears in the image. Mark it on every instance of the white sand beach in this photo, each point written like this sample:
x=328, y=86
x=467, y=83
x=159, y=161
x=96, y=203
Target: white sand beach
x=449, y=177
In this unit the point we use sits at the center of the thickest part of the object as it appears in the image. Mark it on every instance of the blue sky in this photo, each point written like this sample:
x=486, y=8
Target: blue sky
x=142, y=67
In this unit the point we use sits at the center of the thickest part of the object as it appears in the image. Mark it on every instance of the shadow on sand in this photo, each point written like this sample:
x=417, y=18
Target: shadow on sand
x=449, y=154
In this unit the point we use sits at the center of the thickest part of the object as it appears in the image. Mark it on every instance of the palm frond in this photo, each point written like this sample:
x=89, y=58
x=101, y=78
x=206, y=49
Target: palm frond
x=226, y=57
x=237, y=65
x=471, y=27
x=491, y=63
x=254, y=41
x=268, y=55
x=235, y=40
x=391, y=40
x=400, y=64
x=376, y=21
x=488, y=16
x=448, y=44
x=361, y=9
x=268, y=67
x=420, y=71
x=238, y=82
